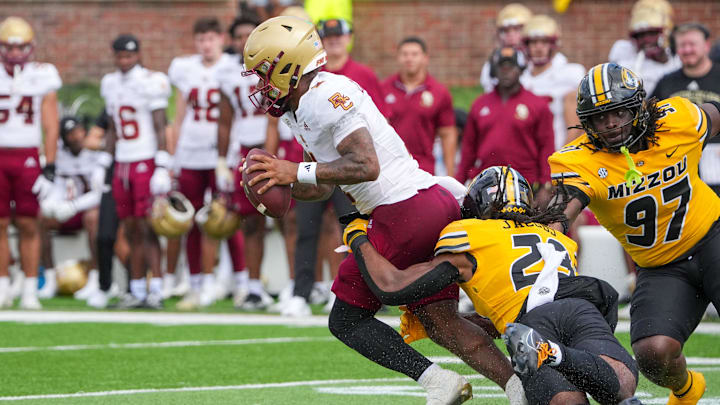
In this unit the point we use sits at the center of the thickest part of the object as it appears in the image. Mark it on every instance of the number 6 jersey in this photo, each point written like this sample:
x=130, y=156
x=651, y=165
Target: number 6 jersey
x=130, y=98
x=671, y=209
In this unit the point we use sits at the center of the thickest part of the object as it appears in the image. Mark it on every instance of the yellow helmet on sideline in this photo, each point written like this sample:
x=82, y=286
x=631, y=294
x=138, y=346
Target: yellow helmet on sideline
x=172, y=215
x=71, y=276
x=217, y=220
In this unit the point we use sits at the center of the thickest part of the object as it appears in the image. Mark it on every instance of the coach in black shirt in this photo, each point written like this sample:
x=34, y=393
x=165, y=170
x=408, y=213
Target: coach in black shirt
x=699, y=81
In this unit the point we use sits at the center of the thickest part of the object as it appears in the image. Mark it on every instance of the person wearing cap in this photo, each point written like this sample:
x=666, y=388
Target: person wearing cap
x=135, y=99
x=28, y=120
x=421, y=108
x=699, y=81
x=509, y=27
x=509, y=126
x=549, y=74
x=73, y=204
x=648, y=51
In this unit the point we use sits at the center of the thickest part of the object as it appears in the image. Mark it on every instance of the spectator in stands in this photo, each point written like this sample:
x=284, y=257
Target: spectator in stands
x=551, y=75
x=421, y=107
x=509, y=126
x=699, y=81
x=648, y=53
x=510, y=21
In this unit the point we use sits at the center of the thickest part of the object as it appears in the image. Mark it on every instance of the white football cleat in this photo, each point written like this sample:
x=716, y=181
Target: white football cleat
x=296, y=307
x=287, y=292
x=92, y=285
x=98, y=299
x=168, y=285
x=190, y=302
x=239, y=297
x=255, y=302
x=446, y=387
x=16, y=287
x=319, y=294
x=49, y=289
x=30, y=301
x=6, y=299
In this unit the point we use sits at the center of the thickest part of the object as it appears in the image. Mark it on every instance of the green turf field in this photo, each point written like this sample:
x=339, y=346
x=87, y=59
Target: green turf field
x=141, y=363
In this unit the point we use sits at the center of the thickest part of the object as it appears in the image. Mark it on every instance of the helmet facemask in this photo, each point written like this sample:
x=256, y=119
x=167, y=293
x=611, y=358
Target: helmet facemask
x=266, y=97
x=637, y=123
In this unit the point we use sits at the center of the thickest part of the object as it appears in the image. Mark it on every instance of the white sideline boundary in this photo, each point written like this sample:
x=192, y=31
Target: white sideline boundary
x=183, y=318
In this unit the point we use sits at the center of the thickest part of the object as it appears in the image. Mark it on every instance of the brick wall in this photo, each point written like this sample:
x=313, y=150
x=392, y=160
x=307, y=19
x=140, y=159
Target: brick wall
x=75, y=35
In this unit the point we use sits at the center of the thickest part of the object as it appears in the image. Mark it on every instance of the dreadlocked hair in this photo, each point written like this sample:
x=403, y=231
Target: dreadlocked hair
x=653, y=127
x=552, y=214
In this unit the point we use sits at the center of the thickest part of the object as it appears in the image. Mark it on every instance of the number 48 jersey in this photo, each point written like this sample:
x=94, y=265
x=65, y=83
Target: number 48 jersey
x=130, y=98
x=20, y=104
x=507, y=262
x=671, y=209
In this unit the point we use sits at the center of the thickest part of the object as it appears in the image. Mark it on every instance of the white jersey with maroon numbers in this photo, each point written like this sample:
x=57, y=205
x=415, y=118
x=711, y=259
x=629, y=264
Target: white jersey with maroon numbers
x=20, y=103
x=130, y=98
x=198, y=85
x=332, y=109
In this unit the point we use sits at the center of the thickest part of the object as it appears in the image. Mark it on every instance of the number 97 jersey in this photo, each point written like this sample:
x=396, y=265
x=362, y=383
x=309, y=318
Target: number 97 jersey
x=670, y=210
x=507, y=261
x=130, y=99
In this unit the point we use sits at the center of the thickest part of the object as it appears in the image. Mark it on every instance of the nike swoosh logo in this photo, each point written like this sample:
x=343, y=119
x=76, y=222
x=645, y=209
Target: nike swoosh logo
x=668, y=155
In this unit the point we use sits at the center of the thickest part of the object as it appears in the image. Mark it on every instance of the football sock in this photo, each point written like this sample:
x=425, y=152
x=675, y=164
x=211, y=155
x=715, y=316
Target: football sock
x=30, y=286
x=255, y=286
x=361, y=331
x=138, y=288
x=685, y=388
x=208, y=281
x=192, y=248
x=195, y=282
x=241, y=279
x=156, y=285
x=236, y=245
x=590, y=374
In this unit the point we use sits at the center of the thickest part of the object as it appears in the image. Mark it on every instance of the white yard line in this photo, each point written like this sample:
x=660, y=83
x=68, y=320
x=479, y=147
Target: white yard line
x=148, y=345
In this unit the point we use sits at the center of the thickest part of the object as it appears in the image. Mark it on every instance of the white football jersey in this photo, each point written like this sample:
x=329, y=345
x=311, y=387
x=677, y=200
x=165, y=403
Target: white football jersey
x=198, y=85
x=20, y=104
x=73, y=173
x=130, y=98
x=649, y=70
x=555, y=83
x=334, y=107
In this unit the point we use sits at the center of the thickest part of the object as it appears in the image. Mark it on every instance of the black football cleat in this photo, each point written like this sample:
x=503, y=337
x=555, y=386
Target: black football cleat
x=528, y=349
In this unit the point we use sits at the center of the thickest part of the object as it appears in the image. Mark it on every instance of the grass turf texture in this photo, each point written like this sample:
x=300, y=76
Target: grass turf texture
x=300, y=370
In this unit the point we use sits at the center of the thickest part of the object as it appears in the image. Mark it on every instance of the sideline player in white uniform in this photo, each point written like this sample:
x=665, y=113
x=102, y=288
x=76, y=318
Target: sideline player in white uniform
x=551, y=75
x=510, y=21
x=647, y=53
x=196, y=154
x=28, y=108
x=73, y=203
x=136, y=98
x=349, y=143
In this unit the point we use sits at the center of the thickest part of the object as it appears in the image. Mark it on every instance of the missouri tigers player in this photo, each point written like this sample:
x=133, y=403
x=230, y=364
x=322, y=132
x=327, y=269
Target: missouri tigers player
x=520, y=274
x=28, y=108
x=196, y=153
x=351, y=144
x=636, y=168
x=135, y=99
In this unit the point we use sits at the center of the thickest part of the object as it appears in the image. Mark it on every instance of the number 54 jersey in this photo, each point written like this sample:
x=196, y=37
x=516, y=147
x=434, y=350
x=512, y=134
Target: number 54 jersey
x=130, y=98
x=507, y=262
x=667, y=213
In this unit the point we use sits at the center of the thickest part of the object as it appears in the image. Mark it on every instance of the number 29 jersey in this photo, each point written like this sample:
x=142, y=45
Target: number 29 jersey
x=671, y=209
x=507, y=262
x=130, y=98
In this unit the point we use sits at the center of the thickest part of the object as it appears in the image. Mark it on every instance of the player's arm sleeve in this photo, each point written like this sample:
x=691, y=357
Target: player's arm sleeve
x=563, y=175
x=467, y=148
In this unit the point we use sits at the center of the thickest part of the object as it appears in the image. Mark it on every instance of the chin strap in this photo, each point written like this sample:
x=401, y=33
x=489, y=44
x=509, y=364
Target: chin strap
x=632, y=175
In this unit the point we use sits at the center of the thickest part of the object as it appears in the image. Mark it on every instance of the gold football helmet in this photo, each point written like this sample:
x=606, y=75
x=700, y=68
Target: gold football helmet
x=217, y=220
x=541, y=26
x=513, y=14
x=646, y=19
x=15, y=33
x=71, y=276
x=172, y=215
x=279, y=51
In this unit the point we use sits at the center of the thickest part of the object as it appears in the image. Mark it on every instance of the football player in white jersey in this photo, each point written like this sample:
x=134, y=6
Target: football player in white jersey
x=349, y=143
x=28, y=109
x=73, y=204
x=196, y=153
x=509, y=22
x=648, y=53
x=551, y=75
x=135, y=99
x=241, y=128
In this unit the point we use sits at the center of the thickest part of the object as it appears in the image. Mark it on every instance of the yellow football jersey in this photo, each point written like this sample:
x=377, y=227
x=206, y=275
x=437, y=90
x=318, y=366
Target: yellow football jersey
x=508, y=262
x=671, y=209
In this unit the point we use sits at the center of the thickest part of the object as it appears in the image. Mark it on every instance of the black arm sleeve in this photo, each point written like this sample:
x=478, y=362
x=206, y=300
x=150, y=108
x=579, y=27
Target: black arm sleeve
x=577, y=193
x=430, y=283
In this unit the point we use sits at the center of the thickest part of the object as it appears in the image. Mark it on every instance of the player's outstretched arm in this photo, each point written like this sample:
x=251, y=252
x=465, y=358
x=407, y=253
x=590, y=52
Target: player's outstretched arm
x=395, y=287
x=712, y=110
x=574, y=207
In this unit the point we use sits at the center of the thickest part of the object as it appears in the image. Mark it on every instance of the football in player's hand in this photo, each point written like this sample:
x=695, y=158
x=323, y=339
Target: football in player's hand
x=274, y=202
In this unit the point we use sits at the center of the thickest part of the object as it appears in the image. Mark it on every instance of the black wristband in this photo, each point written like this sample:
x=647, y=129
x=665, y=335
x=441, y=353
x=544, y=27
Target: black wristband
x=357, y=241
x=49, y=171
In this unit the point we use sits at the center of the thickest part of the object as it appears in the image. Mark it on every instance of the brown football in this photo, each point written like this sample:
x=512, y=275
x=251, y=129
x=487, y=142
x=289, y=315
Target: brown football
x=275, y=202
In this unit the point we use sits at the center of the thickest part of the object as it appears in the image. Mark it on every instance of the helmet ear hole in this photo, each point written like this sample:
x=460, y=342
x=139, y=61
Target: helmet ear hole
x=285, y=69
